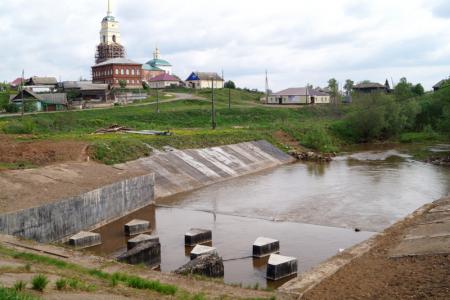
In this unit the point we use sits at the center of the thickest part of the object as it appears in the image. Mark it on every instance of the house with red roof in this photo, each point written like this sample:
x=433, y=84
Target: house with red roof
x=164, y=80
x=16, y=82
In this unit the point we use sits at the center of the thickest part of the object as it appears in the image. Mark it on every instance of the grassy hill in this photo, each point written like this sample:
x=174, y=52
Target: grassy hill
x=321, y=127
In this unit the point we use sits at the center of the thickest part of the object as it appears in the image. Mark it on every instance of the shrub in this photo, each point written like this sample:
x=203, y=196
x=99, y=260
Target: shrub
x=61, y=284
x=11, y=108
x=39, y=282
x=20, y=285
x=19, y=127
x=319, y=139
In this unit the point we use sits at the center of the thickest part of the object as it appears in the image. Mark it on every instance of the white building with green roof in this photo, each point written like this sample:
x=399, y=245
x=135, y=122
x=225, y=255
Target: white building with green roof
x=158, y=64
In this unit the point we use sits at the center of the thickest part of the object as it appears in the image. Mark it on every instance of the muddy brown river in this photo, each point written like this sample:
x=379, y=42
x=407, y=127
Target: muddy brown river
x=311, y=208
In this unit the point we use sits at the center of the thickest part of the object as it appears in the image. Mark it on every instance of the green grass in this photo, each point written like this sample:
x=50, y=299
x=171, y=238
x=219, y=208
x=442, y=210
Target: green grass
x=144, y=284
x=39, y=282
x=11, y=294
x=313, y=127
x=20, y=285
x=61, y=284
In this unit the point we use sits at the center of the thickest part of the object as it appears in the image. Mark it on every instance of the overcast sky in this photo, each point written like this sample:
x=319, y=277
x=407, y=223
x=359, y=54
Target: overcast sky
x=297, y=41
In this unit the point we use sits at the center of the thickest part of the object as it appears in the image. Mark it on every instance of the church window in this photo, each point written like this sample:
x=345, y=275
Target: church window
x=114, y=38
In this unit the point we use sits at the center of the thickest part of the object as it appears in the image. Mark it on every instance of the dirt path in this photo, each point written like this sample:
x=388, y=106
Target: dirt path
x=410, y=260
x=39, y=153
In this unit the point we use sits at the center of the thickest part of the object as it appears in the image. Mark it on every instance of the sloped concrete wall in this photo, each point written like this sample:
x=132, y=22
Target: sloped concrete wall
x=63, y=218
x=184, y=170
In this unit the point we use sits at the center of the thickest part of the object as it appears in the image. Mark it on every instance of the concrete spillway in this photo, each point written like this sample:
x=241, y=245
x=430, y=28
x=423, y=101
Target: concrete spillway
x=183, y=170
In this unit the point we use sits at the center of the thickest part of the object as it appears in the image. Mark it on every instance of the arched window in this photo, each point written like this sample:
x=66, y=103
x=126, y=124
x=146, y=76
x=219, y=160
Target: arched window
x=114, y=38
x=121, y=71
x=117, y=71
x=128, y=72
x=104, y=39
x=132, y=72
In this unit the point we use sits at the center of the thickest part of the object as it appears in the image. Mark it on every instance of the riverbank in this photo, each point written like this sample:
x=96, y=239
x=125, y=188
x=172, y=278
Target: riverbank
x=410, y=259
x=92, y=277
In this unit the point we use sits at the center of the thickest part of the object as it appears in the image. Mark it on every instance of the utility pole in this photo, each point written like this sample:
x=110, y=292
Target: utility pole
x=229, y=98
x=267, y=89
x=157, y=100
x=23, y=101
x=213, y=112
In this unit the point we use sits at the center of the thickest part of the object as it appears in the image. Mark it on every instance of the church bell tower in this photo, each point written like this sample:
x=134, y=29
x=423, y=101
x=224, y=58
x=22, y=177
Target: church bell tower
x=109, y=46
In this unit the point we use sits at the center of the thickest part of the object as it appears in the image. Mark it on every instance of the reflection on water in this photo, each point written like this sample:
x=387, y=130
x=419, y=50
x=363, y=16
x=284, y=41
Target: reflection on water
x=368, y=190
x=233, y=237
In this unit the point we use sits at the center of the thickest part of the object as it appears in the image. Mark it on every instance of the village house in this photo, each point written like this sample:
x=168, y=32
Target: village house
x=41, y=102
x=115, y=70
x=300, y=95
x=204, y=80
x=86, y=90
x=37, y=84
x=163, y=81
x=371, y=87
x=440, y=84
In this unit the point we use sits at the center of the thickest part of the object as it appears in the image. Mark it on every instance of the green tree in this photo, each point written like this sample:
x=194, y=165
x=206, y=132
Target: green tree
x=418, y=89
x=348, y=87
x=230, y=85
x=122, y=84
x=333, y=86
x=403, y=90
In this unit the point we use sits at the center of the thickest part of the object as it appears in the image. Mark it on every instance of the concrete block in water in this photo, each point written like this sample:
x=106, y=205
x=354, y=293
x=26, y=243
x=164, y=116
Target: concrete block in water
x=280, y=267
x=197, y=236
x=85, y=239
x=148, y=253
x=206, y=265
x=200, y=250
x=265, y=246
x=137, y=227
x=142, y=238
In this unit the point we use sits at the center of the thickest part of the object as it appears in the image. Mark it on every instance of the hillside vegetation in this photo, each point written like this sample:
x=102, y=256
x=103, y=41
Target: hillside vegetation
x=324, y=128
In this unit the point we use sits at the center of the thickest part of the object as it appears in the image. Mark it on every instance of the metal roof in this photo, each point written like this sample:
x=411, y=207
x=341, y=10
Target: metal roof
x=158, y=62
x=117, y=61
x=35, y=80
x=151, y=68
x=204, y=76
x=300, y=91
x=164, y=77
x=84, y=85
x=369, y=85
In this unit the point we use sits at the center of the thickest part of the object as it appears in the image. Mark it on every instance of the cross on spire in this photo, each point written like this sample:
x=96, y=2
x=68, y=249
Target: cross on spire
x=109, y=8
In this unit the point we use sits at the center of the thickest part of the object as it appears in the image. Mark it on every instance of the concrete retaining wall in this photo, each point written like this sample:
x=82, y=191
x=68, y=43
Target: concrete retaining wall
x=63, y=218
x=184, y=170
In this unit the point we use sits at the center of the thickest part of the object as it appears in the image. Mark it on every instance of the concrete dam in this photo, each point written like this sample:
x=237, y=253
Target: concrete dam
x=163, y=174
x=184, y=170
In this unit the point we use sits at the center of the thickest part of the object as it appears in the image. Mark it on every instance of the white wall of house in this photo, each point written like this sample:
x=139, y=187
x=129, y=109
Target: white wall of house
x=273, y=99
x=206, y=84
x=288, y=99
x=322, y=99
x=162, y=84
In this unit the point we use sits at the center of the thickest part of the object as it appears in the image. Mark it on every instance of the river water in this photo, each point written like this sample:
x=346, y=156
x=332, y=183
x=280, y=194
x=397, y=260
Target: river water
x=311, y=208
